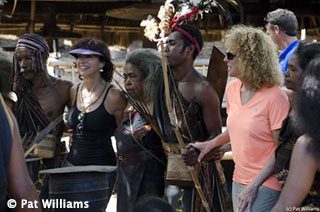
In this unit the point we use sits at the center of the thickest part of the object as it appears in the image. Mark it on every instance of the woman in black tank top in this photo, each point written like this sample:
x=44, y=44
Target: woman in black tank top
x=97, y=107
x=92, y=142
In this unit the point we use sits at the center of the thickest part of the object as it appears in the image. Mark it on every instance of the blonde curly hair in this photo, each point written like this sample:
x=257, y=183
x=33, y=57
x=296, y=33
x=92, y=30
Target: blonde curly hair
x=257, y=54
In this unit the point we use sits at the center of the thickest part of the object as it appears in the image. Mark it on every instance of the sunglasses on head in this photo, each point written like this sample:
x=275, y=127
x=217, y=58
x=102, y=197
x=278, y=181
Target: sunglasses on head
x=230, y=56
x=80, y=125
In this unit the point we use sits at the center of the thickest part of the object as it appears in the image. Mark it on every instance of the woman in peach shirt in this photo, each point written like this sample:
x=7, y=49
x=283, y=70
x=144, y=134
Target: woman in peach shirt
x=256, y=107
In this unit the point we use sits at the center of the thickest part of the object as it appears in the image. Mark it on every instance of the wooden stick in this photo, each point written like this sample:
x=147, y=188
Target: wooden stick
x=42, y=134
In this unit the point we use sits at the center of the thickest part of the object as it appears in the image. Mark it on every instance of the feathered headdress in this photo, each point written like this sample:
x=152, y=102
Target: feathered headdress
x=175, y=12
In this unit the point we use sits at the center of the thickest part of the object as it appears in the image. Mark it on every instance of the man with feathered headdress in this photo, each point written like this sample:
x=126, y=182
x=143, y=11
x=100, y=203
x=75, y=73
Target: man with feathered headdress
x=197, y=109
x=41, y=98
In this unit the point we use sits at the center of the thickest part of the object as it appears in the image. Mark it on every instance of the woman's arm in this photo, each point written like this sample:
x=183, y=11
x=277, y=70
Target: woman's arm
x=248, y=196
x=205, y=147
x=303, y=167
x=115, y=104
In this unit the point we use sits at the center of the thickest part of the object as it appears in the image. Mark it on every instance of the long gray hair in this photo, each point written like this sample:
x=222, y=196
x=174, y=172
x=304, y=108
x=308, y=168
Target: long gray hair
x=148, y=61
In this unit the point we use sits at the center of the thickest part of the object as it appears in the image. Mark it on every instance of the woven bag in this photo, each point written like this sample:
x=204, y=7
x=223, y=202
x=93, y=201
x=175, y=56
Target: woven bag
x=46, y=148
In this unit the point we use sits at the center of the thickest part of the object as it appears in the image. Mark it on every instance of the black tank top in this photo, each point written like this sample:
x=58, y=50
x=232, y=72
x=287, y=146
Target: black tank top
x=93, y=146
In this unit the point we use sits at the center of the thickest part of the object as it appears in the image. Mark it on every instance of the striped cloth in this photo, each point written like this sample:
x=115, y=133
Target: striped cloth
x=39, y=47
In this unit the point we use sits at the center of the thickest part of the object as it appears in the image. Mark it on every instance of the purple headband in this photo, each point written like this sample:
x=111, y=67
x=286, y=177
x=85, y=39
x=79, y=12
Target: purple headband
x=75, y=52
x=39, y=47
x=34, y=44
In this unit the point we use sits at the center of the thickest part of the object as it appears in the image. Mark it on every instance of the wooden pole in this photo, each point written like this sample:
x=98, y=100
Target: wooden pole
x=32, y=16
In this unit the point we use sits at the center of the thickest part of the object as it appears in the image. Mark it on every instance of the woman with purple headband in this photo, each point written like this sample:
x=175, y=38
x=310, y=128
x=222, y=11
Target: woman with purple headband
x=97, y=107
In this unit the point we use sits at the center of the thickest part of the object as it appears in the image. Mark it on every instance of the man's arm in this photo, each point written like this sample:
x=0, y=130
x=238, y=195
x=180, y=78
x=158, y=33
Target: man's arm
x=210, y=105
x=20, y=185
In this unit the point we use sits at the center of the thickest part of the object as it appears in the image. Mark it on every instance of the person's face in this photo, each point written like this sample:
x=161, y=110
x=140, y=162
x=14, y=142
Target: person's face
x=24, y=59
x=133, y=81
x=293, y=74
x=270, y=30
x=232, y=62
x=89, y=64
x=173, y=49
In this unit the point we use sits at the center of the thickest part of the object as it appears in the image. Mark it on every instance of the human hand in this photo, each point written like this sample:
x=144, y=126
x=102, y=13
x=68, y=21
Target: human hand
x=190, y=156
x=203, y=147
x=247, y=198
x=217, y=153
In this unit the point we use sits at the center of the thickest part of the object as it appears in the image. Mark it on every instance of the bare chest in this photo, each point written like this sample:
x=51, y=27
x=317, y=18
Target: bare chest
x=52, y=100
x=188, y=91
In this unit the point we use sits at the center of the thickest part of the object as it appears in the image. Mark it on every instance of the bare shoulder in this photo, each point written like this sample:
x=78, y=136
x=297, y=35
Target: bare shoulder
x=303, y=143
x=304, y=151
x=115, y=94
x=206, y=91
x=63, y=84
x=115, y=100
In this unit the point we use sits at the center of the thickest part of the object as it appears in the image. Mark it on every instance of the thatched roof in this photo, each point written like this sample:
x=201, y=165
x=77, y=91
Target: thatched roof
x=118, y=21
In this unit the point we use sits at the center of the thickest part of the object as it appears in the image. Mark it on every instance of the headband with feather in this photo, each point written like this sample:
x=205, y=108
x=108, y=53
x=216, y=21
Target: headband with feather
x=175, y=12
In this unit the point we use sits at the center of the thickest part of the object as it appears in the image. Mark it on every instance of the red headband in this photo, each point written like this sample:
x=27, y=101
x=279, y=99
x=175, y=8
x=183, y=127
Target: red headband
x=192, y=39
x=174, y=27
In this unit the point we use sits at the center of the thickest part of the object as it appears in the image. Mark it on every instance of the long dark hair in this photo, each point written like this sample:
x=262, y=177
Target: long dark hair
x=101, y=47
x=308, y=104
x=306, y=51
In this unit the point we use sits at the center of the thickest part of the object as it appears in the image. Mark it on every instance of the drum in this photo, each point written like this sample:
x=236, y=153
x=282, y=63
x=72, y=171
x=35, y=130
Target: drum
x=33, y=167
x=80, y=188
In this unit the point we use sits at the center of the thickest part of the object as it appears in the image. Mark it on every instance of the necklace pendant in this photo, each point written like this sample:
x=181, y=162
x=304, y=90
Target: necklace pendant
x=81, y=116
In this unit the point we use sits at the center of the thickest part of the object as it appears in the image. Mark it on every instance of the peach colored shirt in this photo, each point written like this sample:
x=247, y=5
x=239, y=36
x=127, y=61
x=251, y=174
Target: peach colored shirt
x=250, y=129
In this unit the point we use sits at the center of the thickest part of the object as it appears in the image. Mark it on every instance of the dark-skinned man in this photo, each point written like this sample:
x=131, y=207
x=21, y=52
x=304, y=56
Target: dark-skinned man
x=201, y=107
x=41, y=98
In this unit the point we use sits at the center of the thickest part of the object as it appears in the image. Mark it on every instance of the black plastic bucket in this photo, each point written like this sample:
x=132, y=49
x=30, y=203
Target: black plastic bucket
x=80, y=188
